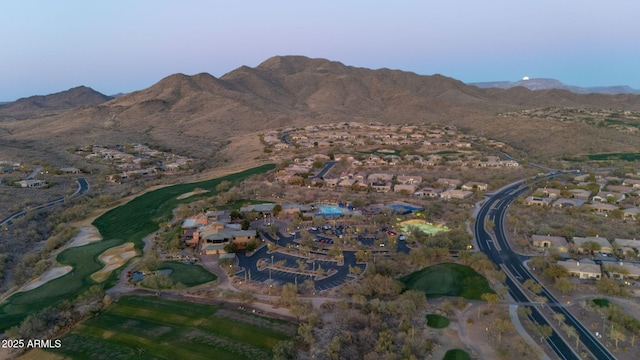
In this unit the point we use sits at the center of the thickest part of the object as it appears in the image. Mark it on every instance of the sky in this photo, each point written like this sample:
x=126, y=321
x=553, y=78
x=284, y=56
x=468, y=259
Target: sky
x=127, y=45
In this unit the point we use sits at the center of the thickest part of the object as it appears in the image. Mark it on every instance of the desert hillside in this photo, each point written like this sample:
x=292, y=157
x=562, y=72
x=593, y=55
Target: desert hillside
x=196, y=114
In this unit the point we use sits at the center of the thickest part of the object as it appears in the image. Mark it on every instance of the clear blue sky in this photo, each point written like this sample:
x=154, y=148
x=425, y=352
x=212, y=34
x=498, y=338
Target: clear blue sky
x=127, y=45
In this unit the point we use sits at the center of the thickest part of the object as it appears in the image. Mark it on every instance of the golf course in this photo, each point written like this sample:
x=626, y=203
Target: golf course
x=128, y=223
x=149, y=327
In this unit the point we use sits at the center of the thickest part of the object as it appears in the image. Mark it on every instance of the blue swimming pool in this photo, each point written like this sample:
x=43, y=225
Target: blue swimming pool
x=323, y=209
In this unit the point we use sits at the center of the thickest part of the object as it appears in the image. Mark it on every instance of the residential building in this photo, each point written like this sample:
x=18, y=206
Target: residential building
x=582, y=269
x=605, y=245
x=557, y=243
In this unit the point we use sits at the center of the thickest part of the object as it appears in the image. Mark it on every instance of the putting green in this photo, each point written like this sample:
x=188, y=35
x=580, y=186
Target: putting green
x=448, y=279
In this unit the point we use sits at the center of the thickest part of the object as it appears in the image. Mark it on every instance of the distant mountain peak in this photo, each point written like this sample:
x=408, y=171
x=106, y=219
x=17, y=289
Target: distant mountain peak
x=537, y=84
x=53, y=103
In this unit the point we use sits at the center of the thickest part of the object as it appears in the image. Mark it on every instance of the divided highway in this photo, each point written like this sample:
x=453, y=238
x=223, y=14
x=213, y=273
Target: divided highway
x=500, y=252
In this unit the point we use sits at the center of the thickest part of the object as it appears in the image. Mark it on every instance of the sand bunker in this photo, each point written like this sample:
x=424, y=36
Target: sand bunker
x=114, y=258
x=186, y=195
x=86, y=235
x=48, y=275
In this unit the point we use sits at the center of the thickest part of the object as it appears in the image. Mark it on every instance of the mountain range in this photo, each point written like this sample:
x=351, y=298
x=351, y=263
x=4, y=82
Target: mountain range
x=195, y=114
x=548, y=84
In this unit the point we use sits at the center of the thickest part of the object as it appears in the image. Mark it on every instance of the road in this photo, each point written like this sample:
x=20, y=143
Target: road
x=500, y=252
x=327, y=166
x=83, y=187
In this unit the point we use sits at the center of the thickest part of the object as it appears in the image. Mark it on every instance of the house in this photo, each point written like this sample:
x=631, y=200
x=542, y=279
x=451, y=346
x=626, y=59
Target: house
x=31, y=183
x=347, y=183
x=623, y=270
x=620, y=189
x=473, y=185
x=565, y=202
x=456, y=194
x=557, y=243
x=409, y=179
x=215, y=239
x=409, y=188
x=631, y=213
x=428, y=191
x=605, y=196
x=449, y=182
x=582, y=269
x=605, y=245
x=70, y=170
x=332, y=182
x=580, y=194
x=535, y=200
x=265, y=209
x=381, y=186
x=548, y=192
x=379, y=177
x=603, y=208
x=632, y=182
x=634, y=244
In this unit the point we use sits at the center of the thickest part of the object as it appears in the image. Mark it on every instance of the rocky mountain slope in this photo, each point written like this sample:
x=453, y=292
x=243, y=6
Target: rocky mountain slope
x=197, y=113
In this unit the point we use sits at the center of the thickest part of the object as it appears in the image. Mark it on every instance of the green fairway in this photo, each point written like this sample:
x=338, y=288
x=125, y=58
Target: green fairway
x=188, y=275
x=153, y=328
x=130, y=222
x=456, y=354
x=448, y=279
x=437, y=321
x=615, y=156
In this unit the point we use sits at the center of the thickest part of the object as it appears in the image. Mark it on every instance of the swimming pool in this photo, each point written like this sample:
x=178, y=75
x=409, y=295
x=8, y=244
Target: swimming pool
x=329, y=210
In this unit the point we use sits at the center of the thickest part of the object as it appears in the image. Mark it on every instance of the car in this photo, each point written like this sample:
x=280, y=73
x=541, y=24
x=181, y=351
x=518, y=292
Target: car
x=313, y=228
x=293, y=233
x=402, y=237
x=382, y=245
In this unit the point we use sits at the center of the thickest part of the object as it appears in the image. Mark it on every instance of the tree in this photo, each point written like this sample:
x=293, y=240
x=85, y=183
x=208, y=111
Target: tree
x=231, y=248
x=500, y=325
x=284, y=350
x=617, y=335
x=252, y=245
x=533, y=286
x=564, y=285
x=490, y=298
x=571, y=331
x=559, y=318
x=544, y=331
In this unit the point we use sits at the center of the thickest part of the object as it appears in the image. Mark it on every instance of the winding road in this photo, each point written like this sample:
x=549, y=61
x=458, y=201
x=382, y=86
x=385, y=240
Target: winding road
x=83, y=186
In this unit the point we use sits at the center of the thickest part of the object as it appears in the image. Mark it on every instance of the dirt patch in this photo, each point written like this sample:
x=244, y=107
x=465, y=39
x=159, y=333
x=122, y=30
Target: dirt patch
x=114, y=258
x=47, y=276
x=86, y=235
x=38, y=354
x=189, y=194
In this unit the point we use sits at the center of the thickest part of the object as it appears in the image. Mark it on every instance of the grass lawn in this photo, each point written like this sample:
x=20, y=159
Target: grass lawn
x=188, y=275
x=448, y=279
x=153, y=328
x=615, y=156
x=601, y=302
x=130, y=222
x=436, y=321
x=456, y=354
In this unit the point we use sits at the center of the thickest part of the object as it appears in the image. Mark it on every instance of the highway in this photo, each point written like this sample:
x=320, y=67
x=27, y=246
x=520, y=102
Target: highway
x=500, y=252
